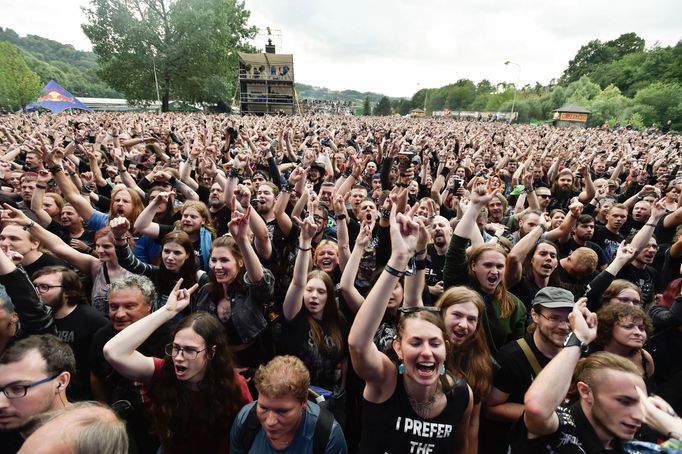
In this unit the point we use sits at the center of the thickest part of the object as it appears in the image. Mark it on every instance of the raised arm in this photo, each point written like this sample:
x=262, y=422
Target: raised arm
x=145, y=221
x=239, y=228
x=414, y=283
x=121, y=351
x=294, y=298
x=644, y=234
x=53, y=162
x=84, y=262
x=549, y=389
x=467, y=227
x=351, y=294
x=514, y=267
x=341, y=216
x=369, y=363
x=38, y=197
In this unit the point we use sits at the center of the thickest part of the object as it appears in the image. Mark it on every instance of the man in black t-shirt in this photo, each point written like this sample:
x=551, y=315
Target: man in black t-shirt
x=17, y=238
x=640, y=272
x=440, y=232
x=609, y=236
x=76, y=321
x=519, y=363
x=608, y=409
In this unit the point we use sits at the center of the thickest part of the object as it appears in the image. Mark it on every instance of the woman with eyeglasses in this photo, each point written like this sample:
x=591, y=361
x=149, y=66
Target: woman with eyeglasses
x=314, y=330
x=239, y=292
x=623, y=329
x=415, y=404
x=195, y=391
x=103, y=269
x=483, y=270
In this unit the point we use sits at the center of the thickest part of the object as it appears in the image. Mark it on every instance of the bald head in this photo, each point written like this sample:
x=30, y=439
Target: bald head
x=84, y=427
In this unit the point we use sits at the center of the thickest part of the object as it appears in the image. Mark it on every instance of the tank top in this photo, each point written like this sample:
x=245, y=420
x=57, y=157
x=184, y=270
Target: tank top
x=393, y=427
x=100, y=289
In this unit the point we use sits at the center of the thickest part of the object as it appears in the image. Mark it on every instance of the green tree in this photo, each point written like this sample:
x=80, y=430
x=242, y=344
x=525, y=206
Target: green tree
x=660, y=102
x=383, y=107
x=366, y=107
x=187, y=44
x=18, y=84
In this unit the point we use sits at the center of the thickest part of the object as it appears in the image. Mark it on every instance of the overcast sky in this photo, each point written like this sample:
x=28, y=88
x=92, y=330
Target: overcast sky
x=396, y=47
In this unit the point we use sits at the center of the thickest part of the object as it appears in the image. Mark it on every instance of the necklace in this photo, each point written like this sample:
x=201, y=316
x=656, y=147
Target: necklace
x=423, y=409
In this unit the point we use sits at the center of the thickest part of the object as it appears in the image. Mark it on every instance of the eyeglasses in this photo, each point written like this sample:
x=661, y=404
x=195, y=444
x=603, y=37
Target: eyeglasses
x=626, y=300
x=544, y=196
x=42, y=288
x=19, y=391
x=415, y=309
x=555, y=319
x=187, y=352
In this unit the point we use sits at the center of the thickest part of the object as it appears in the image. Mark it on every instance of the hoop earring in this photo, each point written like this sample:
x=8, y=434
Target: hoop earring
x=401, y=368
x=442, y=369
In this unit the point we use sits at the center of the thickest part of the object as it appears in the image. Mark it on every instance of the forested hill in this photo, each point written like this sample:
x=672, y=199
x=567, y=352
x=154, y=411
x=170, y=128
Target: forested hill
x=73, y=69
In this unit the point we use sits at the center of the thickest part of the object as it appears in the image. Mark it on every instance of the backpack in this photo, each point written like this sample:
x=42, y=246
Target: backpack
x=323, y=429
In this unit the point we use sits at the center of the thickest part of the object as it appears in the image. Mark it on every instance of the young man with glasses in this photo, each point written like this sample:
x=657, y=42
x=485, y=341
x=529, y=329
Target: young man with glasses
x=76, y=321
x=34, y=375
x=520, y=362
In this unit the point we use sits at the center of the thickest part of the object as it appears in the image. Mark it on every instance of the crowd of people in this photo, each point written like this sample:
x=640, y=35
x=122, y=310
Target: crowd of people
x=193, y=283
x=326, y=107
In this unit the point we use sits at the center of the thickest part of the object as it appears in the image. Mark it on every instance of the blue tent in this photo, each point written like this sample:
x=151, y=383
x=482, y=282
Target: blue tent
x=57, y=99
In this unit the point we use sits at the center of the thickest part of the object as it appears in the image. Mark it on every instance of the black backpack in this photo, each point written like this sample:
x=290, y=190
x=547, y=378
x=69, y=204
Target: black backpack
x=323, y=429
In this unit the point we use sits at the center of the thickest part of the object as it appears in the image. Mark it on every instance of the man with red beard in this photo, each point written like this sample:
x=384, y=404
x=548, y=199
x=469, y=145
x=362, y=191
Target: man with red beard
x=563, y=189
x=521, y=361
x=440, y=232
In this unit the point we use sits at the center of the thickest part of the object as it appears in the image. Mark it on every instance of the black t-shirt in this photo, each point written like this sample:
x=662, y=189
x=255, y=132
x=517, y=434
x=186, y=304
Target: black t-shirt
x=434, y=265
x=513, y=376
x=10, y=441
x=220, y=219
x=574, y=435
x=43, y=261
x=571, y=246
x=77, y=329
x=525, y=290
x=608, y=241
x=323, y=364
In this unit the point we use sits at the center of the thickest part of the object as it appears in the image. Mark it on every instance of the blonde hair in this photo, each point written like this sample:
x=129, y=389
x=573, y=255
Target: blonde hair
x=283, y=376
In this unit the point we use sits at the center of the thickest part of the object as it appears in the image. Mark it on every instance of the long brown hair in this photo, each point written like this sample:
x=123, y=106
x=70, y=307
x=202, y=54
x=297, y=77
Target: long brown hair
x=172, y=408
x=165, y=280
x=330, y=314
x=138, y=205
x=215, y=289
x=472, y=358
x=507, y=305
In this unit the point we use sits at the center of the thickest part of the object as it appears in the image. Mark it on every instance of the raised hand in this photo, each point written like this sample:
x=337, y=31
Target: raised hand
x=179, y=298
x=583, y=322
x=481, y=197
x=15, y=215
x=119, y=227
x=161, y=198
x=365, y=235
x=404, y=230
x=239, y=224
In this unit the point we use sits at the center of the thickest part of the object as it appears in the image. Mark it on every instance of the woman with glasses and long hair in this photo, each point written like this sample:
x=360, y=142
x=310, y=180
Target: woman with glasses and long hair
x=195, y=391
x=483, y=270
x=239, y=292
x=402, y=400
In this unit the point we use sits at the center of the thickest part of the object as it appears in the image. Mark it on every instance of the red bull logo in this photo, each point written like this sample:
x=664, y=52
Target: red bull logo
x=54, y=96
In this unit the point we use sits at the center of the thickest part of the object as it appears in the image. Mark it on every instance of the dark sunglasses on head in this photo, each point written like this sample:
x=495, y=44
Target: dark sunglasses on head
x=414, y=309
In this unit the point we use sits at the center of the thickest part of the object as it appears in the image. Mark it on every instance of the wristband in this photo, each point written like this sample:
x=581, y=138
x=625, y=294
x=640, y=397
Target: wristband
x=445, y=171
x=41, y=186
x=340, y=217
x=418, y=253
x=385, y=213
x=393, y=272
x=420, y=264
x=55, y=169
x=304, y=249
x=348, y=171
x=290, y=187
x=29, y=225
x=650, y=224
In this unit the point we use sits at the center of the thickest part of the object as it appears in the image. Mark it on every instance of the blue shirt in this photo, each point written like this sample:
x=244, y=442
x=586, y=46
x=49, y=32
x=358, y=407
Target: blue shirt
x=302, y=442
